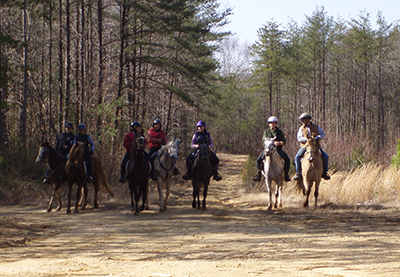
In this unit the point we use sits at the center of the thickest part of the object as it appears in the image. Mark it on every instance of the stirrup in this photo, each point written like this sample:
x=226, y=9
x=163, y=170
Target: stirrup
x=297, y=177
x=176, y=171
x=122, y=179
x=46, y=181
x=89, y=179
x=217, y=177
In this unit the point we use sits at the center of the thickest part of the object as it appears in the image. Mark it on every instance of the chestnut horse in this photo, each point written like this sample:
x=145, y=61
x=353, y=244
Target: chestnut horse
x=312, y=167
x=138, y=174
x=76, y=173
x=56, y=163
x=273, y=171
x=202, y=172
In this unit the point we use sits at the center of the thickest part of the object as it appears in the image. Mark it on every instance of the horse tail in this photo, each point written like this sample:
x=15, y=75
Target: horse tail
x=102, y=178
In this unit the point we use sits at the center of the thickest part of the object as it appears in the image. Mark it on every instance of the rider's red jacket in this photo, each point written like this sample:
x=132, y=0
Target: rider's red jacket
x=128, y=141
x=154, y=137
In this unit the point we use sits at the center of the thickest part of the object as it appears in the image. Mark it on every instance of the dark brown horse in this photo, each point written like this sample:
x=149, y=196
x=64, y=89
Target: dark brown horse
x=138, y=174
x=56, y=163
x=202, y=172
x=76, y=173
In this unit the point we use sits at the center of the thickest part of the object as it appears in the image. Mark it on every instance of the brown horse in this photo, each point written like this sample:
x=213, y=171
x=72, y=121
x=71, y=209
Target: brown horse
x=202, y=172
x=312, y=167
x=138, y=174
x=56, y=163
x=76, y=173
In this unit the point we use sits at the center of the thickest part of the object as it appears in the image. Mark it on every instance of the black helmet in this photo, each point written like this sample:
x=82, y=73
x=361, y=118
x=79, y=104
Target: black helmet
x=304, y=116
x=156, y=121
x=82, y=126
x=68, y=125
x=135, y=124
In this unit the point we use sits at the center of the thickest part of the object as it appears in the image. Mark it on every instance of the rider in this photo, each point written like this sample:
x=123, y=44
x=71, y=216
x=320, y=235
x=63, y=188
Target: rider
x=157, y=138
x=273, y=132
x=64, y=144
x=201, y=136
x=135, y=129
x=304, y=132
x=87, y=156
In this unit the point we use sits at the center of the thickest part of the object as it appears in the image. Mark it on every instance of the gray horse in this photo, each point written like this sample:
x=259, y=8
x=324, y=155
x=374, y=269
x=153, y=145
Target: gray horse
x=164, y=167
x=273, y=171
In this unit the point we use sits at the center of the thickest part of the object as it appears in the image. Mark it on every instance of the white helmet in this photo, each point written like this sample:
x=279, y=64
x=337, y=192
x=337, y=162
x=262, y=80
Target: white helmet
x=272, y=119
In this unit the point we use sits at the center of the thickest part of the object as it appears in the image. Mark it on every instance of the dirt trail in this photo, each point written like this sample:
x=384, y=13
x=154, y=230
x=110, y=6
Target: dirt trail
x=235, y=237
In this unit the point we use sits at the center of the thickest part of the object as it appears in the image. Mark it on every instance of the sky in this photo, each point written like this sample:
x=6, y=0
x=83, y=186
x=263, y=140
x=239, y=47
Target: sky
x=250, y=15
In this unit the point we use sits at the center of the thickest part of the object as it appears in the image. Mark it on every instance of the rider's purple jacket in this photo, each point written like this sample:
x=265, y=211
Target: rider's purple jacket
x=195, y=137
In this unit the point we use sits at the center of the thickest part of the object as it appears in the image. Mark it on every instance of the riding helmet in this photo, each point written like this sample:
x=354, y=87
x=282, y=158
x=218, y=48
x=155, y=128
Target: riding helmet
x=157, y=121
x=201, y=123
x=304, y=116
x=68, y=125
x=82, y=126
x=272, y=119
x=135, y=124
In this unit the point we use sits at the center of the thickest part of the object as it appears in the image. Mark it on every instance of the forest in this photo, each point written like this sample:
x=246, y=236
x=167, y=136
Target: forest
x=107, y=63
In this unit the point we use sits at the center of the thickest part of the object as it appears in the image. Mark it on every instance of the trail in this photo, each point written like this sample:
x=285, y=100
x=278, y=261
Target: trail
x=236, y=236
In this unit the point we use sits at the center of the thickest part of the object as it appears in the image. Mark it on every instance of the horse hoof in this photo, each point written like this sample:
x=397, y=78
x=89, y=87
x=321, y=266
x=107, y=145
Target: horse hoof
x=96, y=206
x=162, y=210
x=204, y=209
x=194, y=204
x=68, y=211
x=76, y=211
x=48, y=210
x=146, y=208
x=269, y=208
x=141, y=208
x=58, y=209
x=136, y=213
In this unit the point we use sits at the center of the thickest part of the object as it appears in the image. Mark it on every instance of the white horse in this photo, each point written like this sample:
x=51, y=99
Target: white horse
x=273, y=171
x=164, y=166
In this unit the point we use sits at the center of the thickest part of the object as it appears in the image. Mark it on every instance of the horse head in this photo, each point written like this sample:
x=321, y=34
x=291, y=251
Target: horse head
x=203, y=152
x=269, y=146
x=312, y=147
x=76, y=153
x=173, y=148
x=43, y=152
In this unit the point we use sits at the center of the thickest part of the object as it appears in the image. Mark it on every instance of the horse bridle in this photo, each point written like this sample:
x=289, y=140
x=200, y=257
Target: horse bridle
x=169, y=156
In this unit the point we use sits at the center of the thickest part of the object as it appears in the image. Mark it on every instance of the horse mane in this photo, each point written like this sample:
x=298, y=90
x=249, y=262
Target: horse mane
x=76, y=150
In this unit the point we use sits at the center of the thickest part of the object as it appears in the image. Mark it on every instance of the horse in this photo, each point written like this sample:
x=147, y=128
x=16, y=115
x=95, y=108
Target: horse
x=312, y=168
x=202, y=172
x=138, y=174
x=164, y=164
x=76, y=173
x=273, y=171
x=56, y=163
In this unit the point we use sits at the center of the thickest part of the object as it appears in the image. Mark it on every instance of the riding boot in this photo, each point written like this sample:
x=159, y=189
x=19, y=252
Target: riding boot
x=217, y=177
x=188, y=174
x=297, y=177
x=325, y=176
x=257, y=177
x=176, y=171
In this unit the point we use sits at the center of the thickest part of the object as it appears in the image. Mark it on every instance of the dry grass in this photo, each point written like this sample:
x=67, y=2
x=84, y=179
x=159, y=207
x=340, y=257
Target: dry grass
x=368, y=183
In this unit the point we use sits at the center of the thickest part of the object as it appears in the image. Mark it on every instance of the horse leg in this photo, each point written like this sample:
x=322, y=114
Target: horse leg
x=137, y=199
x=268, y=184
x=96, y=191
x=160, y=195
x=59, y=207
x=195, y=194
x=69, y=197
x=51, y=200
x=84, y=195
x=279, y=194
x=78, y=196
x=132, y=202
x=316, y=193
x=308, y=191
x=167, y=192
x=205, y=190
x=143, y=192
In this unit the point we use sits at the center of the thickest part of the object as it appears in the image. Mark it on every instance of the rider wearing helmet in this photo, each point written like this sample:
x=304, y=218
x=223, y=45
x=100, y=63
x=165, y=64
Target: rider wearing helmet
x=135, y=129
x=273, y=132
x=64, y=144
x=201, y=136
x=304, y=132
x=156, y=137
x=87, y=155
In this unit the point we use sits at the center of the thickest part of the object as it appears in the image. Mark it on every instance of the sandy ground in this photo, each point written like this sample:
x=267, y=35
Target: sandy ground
x=236, y=236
